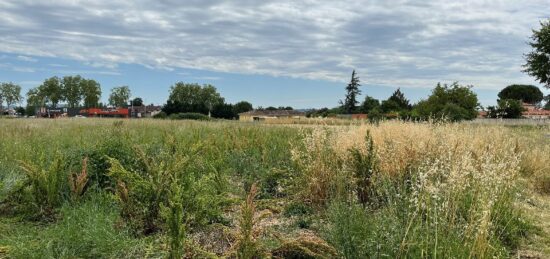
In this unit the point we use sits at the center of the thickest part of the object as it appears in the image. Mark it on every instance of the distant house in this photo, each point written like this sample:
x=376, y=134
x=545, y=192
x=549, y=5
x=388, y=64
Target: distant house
x=533, y=112
x=260, y=115
x=144, y=111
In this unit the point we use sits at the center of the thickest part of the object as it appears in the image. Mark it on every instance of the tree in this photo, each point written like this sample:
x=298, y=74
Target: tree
x=192, y=98
x=396, y=103
x=11, y=93
x=137, y=102
x=224, y=111
x=242, y=106
x=71, y=87
x=352, y=91
x=507, y=108
x=454, y=102
x=526, y=93
x=51, y=91
x=369, y=103
x=119, y=96
x=91, y=92
x=538, y=60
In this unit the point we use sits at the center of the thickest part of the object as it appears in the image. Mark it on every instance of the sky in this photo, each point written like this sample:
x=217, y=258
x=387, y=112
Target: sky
x=296, y=53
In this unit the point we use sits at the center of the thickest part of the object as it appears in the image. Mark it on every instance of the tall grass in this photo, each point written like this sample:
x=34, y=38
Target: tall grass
x=158, y=188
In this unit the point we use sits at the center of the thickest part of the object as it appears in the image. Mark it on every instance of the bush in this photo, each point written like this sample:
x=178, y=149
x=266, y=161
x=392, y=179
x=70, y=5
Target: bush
x=160, y=115
x=188, y=116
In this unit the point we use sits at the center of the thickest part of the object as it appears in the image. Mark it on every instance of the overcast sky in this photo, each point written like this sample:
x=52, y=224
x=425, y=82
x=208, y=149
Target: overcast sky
x=298, y=53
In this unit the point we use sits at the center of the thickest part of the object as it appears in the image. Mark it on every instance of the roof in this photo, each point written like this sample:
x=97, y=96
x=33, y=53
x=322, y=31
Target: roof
x=273, y=113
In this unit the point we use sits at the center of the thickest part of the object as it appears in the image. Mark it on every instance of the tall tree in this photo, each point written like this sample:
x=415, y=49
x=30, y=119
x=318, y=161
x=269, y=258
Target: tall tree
x=137, y=101
x=51, y=91
x=119, y=96
x=454, y=102
x=397, y=102
x=91, y=92
x=369, y=103
x=526, y=93
x=538, y=60
x=72, y=90
x=242, y=106
x=352, y=91
x=11, y=93
x=186, y=97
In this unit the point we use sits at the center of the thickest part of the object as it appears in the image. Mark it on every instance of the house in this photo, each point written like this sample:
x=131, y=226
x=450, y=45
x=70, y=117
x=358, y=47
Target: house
x=144, y=111
x=533, y=112
x=261, y=115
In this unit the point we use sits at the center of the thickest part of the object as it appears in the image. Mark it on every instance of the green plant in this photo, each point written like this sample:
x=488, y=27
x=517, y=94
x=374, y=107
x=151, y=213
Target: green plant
x=173, y=215
x=45, y=186
x=363, y=165
x=247, y=246
x=77, y=182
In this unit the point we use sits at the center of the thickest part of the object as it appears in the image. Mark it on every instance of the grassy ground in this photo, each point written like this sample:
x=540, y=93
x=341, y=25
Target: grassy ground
x=93, y=188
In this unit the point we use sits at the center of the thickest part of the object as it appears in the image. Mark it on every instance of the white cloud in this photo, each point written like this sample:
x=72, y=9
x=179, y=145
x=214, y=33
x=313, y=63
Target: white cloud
x=407, y=42
x=26, y=59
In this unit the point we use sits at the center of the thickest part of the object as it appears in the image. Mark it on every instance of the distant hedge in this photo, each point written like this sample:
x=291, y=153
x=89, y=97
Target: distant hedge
x=188, y=116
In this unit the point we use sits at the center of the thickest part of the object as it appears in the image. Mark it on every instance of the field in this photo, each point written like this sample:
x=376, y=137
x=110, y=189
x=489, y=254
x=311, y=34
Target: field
x=92, y=188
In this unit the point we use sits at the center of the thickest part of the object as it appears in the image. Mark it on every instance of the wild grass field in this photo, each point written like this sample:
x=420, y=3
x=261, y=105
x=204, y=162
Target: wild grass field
x=95, y=188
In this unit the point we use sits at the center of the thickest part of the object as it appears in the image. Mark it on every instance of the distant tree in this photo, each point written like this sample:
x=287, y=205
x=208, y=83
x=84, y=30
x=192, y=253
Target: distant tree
x=547, y=105
x=71, y=89
x=192, y=98
x=352, y=91
x=51, y=91
x=454, y=102
x=242, y=106
x=119, y=96
x=137, y=101
x=396, y=102
x=507, y=108
x=91, y=93
x=538, y=60
x=11, y=93
x=271, y=108
x=526, y=93
x=369, y=103
x=224, y=111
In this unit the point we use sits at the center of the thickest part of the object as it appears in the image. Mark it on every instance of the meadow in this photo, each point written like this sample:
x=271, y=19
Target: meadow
x=108, y=188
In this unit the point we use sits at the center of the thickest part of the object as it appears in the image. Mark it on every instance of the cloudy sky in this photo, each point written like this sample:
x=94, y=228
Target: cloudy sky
x=298, y=53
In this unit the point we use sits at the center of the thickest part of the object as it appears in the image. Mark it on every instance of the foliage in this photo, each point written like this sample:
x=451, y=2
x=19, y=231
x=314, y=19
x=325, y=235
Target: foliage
x=538, y=60
x=120, y=96
x=136, y=102
x=363, y=165
x=454, y=102
x=224, y=111
x=242, y=106
x=188, y=116
x=10, y=93
x=397, y=102
x=352, y=91
x=50, y=92
x=185, y=98
x=369, y=104
x=72, y=90
x=44, y=188
x=91, y=92
x=508, y=108
x=247, y=247
x=525, y=93
x=160, y=115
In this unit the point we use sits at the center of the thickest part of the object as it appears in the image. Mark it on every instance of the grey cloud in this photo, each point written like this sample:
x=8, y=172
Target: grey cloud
x=407, y=42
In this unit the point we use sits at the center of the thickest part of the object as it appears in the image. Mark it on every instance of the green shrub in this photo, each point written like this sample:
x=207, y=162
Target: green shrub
x=189, y=116
x=45, y=187
x=160, y=115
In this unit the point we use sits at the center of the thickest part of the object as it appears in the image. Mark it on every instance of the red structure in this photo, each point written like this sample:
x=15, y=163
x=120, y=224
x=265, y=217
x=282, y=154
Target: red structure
x=113, y=112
